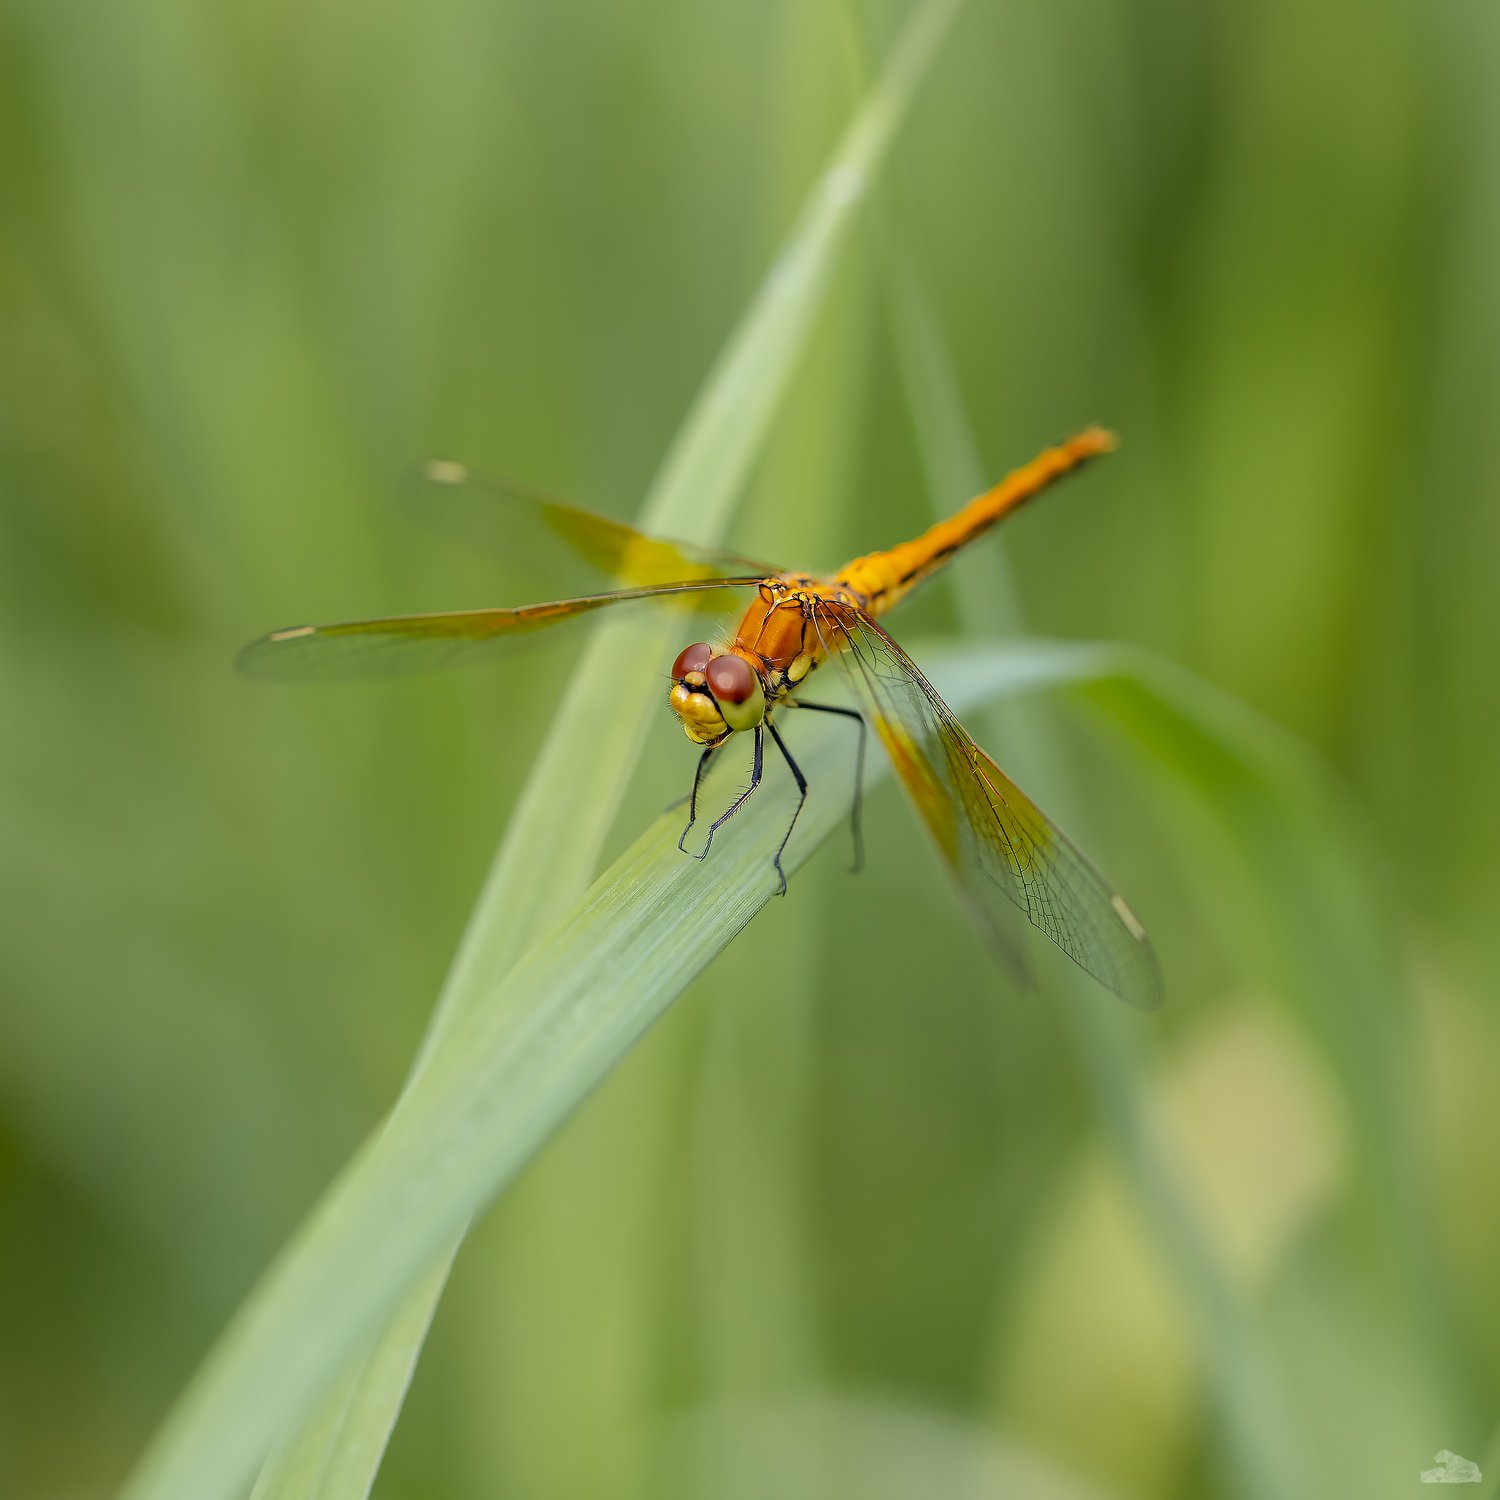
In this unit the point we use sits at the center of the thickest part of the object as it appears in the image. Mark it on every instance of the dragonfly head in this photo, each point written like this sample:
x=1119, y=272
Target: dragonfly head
x=715, y=693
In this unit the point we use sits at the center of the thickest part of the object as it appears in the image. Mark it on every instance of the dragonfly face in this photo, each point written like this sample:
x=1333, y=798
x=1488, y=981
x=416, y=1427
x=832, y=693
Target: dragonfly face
x=715, y=693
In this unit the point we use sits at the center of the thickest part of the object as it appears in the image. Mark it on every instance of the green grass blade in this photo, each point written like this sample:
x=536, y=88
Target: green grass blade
x=494, y=1089
x=510, y=1073
x=554, y=840
x=340, y=1451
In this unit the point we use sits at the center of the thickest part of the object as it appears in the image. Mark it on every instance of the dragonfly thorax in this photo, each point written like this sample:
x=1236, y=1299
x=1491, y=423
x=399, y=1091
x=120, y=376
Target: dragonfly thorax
x=715, y=693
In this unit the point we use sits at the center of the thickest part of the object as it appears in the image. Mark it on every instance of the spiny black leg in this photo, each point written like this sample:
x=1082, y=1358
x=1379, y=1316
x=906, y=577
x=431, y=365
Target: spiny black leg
x=859, y=773
x=692, y=798
x=739, y=802
x=801, y=781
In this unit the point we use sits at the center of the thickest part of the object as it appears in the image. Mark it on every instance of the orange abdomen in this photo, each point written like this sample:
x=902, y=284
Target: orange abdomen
x=884, y=578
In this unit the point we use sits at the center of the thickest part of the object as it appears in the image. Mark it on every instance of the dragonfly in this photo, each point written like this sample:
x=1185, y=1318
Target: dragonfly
x=1000, y=848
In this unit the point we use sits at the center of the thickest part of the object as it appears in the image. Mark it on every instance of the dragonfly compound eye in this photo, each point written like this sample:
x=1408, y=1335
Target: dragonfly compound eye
x=693, y=659
x=735, y=685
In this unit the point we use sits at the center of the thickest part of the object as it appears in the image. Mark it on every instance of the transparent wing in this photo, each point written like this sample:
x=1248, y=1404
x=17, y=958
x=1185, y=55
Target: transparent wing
x=414, y=643
x=543, y=538
x=994, y=839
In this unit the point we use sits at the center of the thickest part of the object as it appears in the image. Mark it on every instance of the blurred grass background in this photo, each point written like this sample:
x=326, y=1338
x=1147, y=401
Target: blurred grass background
x=860, y=1229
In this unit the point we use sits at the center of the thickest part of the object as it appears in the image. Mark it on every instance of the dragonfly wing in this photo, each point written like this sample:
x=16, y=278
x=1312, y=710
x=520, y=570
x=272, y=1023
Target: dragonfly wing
x=413, y=643
x=993, y=837
x=549, y=538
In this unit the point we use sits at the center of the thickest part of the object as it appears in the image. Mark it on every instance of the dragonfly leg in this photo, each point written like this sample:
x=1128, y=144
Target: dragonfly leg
x=859, y=773
x=738, y=803
x=801, y=781
x=692, y=798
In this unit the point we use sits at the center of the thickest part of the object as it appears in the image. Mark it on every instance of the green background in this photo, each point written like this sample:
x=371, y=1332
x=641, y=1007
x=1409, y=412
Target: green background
x=849, y=1222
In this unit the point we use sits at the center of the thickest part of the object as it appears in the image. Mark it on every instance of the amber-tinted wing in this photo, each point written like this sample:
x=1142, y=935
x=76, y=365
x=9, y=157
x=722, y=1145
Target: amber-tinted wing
x=556, y=546
x=994, y=839
x=412, y=643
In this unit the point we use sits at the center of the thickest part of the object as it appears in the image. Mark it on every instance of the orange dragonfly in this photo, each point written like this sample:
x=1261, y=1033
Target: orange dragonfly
x=997, y=844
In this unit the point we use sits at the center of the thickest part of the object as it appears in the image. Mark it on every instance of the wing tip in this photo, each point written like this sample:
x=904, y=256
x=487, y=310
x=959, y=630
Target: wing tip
x=1148, y=997
x=1128, y=917
x=261, y=657
x=1145, y=990
x=444, y=471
